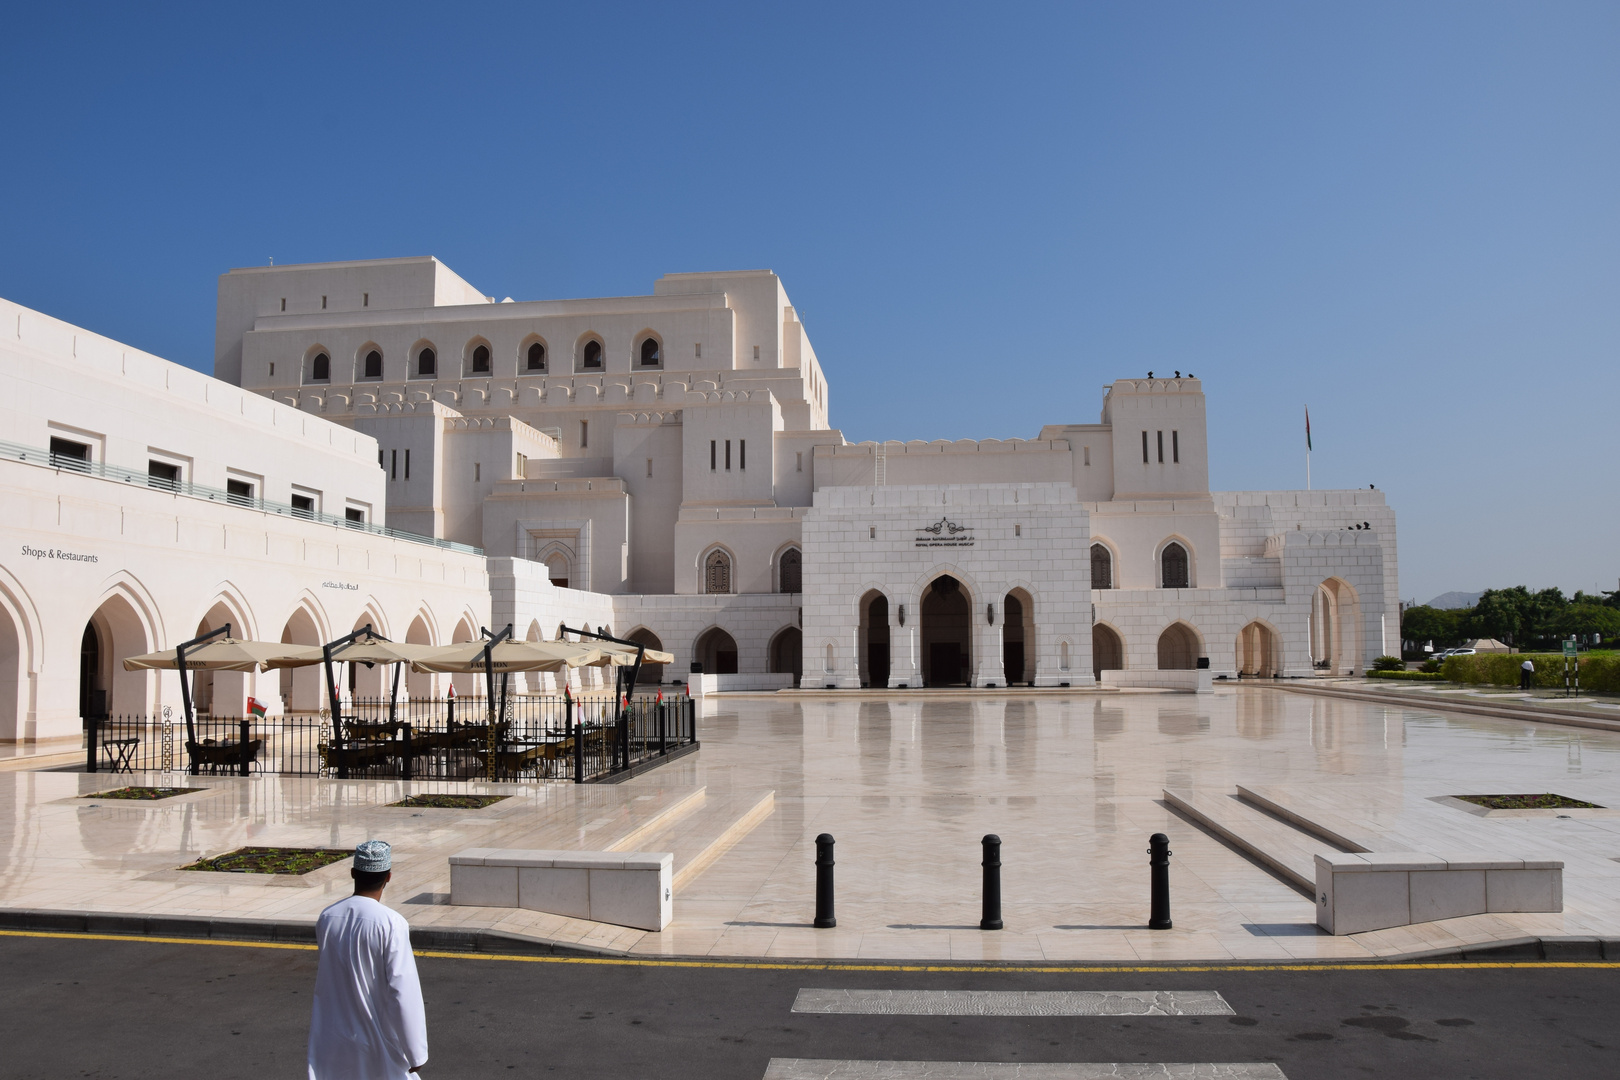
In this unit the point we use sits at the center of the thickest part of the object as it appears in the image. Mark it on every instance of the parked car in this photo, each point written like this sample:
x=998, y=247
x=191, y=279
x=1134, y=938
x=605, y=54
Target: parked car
x=1461, y=652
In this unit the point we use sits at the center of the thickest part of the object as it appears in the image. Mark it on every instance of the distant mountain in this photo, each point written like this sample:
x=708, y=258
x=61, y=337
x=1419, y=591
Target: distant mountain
x=1456, y=600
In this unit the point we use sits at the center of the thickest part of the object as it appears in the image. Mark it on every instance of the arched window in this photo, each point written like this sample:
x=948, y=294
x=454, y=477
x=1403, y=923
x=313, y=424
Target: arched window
x=427, y=362
x=320, y=368
x=373, y=364
x=650, y=354
x=717, y=573
x=1174, y=561
x=537, y=357
x=557, y=571
x=480, y=360
x=788, y=577
x=592, y=356
x=1102, y=567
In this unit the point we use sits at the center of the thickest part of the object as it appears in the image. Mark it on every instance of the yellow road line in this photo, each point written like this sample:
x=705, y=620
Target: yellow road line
x=834, y=965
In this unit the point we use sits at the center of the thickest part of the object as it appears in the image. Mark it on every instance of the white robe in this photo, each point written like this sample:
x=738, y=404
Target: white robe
x=368, y=1021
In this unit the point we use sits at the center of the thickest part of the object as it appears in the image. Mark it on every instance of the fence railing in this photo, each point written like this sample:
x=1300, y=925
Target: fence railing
x=538, y=739
x=35, y=455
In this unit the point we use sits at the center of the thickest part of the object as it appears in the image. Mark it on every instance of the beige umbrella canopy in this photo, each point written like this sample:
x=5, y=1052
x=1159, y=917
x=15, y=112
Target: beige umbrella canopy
x=508, y=656
x=624, y=655
x=228, y=654
x=362, y=650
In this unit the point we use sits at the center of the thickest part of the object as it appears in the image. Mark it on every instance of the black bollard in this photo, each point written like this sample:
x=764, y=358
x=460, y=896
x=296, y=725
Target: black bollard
x=992, y=883
x=824, y=882
x=1159, y=862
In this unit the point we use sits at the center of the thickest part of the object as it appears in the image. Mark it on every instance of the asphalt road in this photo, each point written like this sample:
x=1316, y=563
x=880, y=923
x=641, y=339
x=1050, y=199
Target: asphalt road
x=83, y=1007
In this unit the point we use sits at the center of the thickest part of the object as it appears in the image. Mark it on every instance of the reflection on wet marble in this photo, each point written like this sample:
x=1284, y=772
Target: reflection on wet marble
x=908, y=787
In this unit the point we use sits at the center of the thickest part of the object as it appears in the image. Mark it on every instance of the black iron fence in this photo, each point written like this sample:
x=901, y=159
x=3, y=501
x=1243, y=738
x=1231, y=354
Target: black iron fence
x=536, y=739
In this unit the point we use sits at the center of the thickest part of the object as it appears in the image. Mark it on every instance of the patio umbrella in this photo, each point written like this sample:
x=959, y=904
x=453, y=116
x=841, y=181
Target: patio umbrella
x=624, y=655
x=365, y=650
x=508, y=656
x=228, y=654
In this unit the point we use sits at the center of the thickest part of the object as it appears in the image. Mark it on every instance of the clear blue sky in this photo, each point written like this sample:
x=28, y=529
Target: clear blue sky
x=1406, y=215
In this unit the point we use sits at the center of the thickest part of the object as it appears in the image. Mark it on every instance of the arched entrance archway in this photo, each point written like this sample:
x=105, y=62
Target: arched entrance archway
x=716, y=650
x=303, y=689
x=1107, y=650
x=947, y=633
x=1257, y=652
x=787, y=653
x=113, y=631
x=467, y=684
x=1178, y=648
x=1336, y=628
x=872, y=660
x=650, y=673
x=418, y=684
x=12, y=681
x=1018, y=638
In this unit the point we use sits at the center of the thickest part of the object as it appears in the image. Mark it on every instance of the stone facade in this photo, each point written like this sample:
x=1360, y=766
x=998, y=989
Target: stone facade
x=660, y=466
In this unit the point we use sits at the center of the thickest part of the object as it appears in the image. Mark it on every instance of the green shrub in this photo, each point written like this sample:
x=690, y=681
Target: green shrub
x=1410, y=676
x=1389, y=663
x=1600, y=673
x=1430, y=667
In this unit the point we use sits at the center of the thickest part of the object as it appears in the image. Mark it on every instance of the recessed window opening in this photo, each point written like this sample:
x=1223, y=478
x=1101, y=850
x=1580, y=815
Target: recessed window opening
x=407, y=463
x=871, y=532
x=354, y=516
x=272, y=369
x=1018, y=530
x=365, y=299
x=717, y=573
x=1175, y=447
x=480, y=360
x=373, y=364
x=283, y=303
x=393, y=466
x=320, y=368
x=521, y=471
x=697, y=349
x=427, y=362
x=1161, y=448
x=1175, y=566
x=239, y=492
x=799, y=462
x=756, y=352
x=537, y=357
x=789, y=571
x=323, y=303
x=303, y=506
x=649, y=466
x=1102, y=567
x=650, y=355
x=1088, y=456
x=1144, y=448
x=380, y=457
x=161, y=474
x=592, y=356
x=584, y=434
x=67, y=454
x=742, y=453
x=728, y=455
x=478, y=471
x=711, y=455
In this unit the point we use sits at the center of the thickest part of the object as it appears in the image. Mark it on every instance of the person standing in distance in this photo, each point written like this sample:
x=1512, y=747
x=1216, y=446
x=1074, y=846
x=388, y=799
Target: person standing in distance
x=1527, y=672
x=368, y=1022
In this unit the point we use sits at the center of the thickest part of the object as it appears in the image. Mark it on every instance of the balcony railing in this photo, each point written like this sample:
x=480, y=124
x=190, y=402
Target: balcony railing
x=34, y=455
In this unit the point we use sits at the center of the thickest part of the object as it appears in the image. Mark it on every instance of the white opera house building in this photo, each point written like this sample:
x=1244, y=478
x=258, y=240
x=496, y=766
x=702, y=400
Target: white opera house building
x=383, y=443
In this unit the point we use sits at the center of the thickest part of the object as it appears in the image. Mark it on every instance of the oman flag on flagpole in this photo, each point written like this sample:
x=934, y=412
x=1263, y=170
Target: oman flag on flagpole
x=1307, y=429
x=256, y=707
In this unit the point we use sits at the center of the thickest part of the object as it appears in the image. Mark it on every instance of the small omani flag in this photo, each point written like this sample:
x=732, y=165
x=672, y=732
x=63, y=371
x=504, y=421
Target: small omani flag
x=256, y=707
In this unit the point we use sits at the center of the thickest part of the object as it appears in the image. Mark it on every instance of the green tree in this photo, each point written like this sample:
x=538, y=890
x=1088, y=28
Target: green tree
x=1423, y=624
x=1588, y=619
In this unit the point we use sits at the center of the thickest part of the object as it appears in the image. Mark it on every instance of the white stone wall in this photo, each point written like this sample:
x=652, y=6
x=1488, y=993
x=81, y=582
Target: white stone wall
x=1029, y=536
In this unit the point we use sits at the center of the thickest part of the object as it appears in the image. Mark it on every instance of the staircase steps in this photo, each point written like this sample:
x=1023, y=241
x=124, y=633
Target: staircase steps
x=1287, y=851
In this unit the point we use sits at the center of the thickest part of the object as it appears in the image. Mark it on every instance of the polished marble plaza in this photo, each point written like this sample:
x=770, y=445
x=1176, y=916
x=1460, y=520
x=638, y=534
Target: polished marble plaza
x=907, y=784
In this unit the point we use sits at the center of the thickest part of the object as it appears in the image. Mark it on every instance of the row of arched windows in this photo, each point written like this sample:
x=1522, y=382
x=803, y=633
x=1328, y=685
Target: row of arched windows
x=1175, y=568
x=717, y=571
x=590, y=355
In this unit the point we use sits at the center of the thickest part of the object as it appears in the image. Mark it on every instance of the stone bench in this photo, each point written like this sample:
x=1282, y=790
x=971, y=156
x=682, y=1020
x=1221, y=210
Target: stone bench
x=1374, y=891
x=625, y=888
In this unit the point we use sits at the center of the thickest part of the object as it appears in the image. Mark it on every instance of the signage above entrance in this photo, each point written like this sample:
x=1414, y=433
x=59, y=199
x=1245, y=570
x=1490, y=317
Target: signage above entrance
x=945, y=533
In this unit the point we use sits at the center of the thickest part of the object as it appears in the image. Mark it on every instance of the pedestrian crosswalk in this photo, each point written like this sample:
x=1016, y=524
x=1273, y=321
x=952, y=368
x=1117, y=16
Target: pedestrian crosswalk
x=1014, y=1002
x=826, y=1069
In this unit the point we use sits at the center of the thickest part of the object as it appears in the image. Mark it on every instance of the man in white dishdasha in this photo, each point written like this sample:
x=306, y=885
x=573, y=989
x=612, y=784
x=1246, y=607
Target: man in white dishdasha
x=368, y=1022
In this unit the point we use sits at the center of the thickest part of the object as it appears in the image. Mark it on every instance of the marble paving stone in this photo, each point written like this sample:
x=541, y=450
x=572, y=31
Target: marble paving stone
x=1013, y=1002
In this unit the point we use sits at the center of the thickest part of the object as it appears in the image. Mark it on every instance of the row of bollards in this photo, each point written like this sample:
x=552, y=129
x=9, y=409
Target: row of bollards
x=1158, y=882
